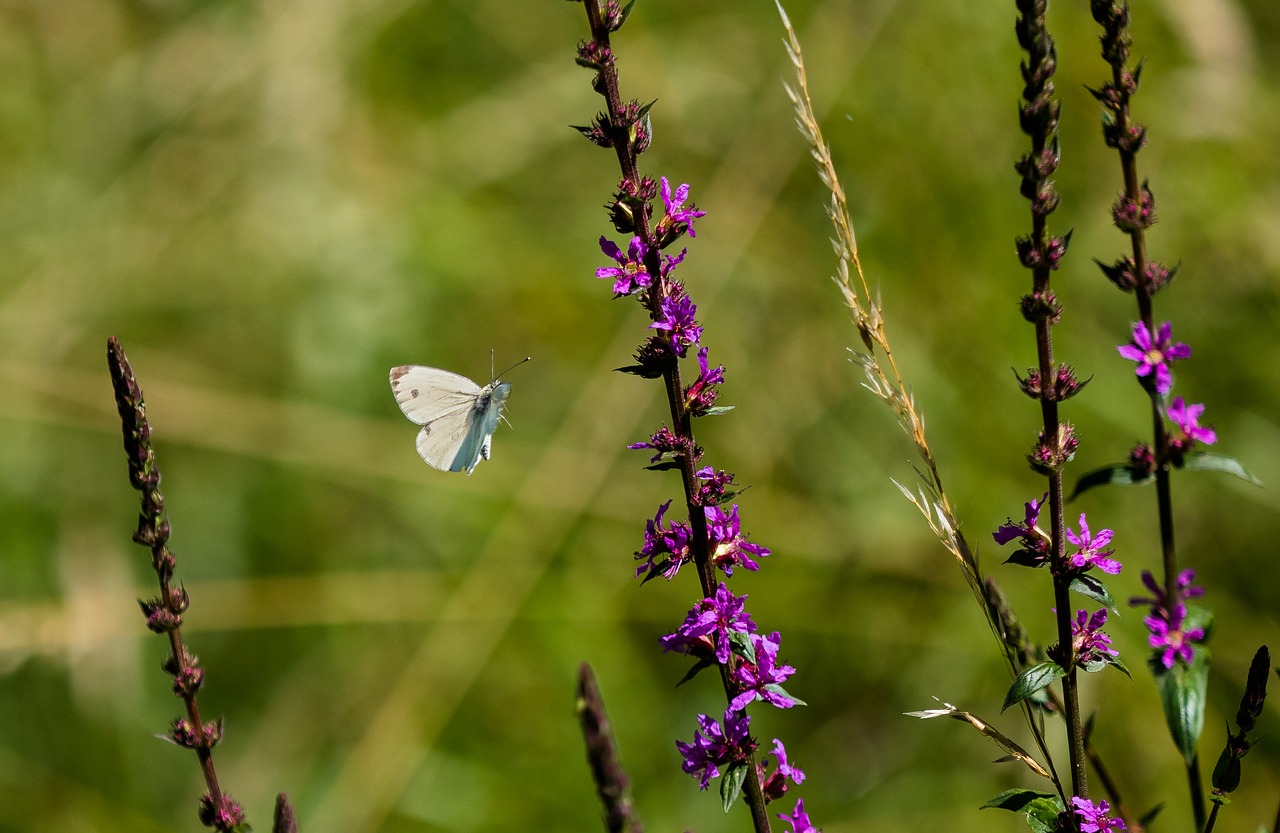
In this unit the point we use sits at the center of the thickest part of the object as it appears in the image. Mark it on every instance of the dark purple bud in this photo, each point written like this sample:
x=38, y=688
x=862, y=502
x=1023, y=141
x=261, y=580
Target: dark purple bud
x=1255, y=690
x=1052, y=453
x=1135, y=215
x=222, y=814
x=159, y=618
x=611, y=16
x=1142, y=460
x=1031, y=384
x=285, y=820
x=179, y=601
x=183, y=734
x=213, y=733
x=593, y=55
x=1120, y=273
x=1156, y=276
x=1041, y=305
x=188, y=681
x=1057, y=248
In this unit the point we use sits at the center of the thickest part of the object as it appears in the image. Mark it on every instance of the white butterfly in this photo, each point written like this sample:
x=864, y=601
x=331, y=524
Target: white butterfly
x=458, y=417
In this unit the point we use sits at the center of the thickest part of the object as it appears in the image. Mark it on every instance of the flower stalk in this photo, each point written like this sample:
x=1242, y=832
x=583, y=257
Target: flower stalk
x=164, y=613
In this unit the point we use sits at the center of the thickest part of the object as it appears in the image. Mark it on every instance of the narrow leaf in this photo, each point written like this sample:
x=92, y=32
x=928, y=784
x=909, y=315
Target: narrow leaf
x=717, y=410
x=697, y=668
x=1182, y=695
x=1033, y=679
x=1040, y=808
x=731, y=785
x=1092, y=587
x=1119, y=474
x=1217, y=462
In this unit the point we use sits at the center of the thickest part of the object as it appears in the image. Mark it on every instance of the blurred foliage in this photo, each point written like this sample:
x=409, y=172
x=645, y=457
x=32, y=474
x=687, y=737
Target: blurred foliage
x=271, y=203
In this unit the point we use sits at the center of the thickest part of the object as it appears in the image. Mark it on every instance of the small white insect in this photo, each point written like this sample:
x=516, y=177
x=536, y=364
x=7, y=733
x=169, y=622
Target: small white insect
x=458, y=417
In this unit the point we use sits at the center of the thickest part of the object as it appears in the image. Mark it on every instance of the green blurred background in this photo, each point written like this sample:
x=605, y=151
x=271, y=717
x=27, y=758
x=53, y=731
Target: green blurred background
x=272, y=203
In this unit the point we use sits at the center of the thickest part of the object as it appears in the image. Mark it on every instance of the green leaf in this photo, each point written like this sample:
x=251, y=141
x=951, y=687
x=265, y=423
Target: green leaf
x=1093, y=588
x=1217, y=462
x=717, y=410
x=1151, y=815
x=1120, y=474
x=1182, y=694
x=1118, y=664
x=731, y=785
x=664, y=465
x=1033, y=679
x=1198, y=616
x=626, y=12
x=697, y=668
x=777, y=689
x=1041, y=809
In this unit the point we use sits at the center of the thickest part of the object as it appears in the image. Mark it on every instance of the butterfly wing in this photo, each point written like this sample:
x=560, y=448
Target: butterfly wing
x=444, y=404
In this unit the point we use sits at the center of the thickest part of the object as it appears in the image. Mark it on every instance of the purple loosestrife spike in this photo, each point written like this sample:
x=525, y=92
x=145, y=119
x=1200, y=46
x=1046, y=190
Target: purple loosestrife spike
x=1087, y=638
x=1094, y=818
x=1154, y=354
x=713, y=747
x=1091, y=553
x=799, y=819
x=1187, y=419
x=729, y=547
x=1168, y=636
x=756, y=679
x=707, y=628
x=775, y=785
x=665, y=549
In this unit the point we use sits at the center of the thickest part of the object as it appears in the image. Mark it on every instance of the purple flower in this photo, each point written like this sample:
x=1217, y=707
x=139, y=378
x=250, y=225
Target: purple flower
x=775, y=785
x=701, y=395
x=1167, y=634
x=799, y=819
x=707, y=628
x=713, y=486
x=1159, y=601
x=729, y=547
x=1187, y=419
x=1087, y=639
x=1035, y=544
x=1154, y=354
x=675, y=316
x=713, y=747
x=630, y=274
x=1094, y=818
x=1091, y=552
x=678, y=219
x=763, y=679
x=665, y=442
x=666, y=549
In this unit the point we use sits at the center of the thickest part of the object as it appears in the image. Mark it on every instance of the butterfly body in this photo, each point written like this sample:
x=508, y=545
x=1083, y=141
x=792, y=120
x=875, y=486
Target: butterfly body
x=458, y=417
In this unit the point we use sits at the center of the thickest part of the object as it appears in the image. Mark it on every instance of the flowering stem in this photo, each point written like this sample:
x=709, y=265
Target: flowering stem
x=1041, y=254
x=164, y=614
x=602, y=754
x=620, y=129
x=1134, y=213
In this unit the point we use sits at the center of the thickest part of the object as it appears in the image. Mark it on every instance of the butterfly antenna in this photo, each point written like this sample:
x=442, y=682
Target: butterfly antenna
x=513, y=367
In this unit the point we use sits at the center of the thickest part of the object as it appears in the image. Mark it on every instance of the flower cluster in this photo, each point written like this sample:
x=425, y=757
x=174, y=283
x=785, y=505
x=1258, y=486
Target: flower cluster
x=1166, y=621
x=717, y=631
x=1035, y=549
